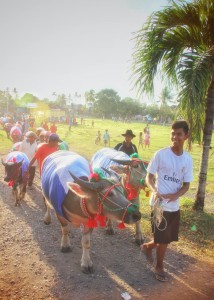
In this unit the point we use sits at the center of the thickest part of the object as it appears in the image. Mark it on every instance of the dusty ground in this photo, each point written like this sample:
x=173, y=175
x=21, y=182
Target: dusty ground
x=32, y=266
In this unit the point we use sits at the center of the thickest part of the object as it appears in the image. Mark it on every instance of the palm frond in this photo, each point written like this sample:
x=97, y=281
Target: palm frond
x=194, y=76
x=164, y=38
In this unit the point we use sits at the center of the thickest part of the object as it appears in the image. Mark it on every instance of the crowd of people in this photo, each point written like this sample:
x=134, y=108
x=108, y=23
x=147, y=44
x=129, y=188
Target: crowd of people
x=169, y=174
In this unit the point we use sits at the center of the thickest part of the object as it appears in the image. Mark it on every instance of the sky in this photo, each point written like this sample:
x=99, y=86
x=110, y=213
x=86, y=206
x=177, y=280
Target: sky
x=68, y=46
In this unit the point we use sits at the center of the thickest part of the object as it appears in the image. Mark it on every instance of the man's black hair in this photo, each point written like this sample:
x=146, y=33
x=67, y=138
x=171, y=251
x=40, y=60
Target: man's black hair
x=181, y=124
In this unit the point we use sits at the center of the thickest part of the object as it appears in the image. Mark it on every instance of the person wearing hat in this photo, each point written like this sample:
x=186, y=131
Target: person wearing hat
x=29, y=147
x=126, y=146
x=46, y=149
x=41, y=139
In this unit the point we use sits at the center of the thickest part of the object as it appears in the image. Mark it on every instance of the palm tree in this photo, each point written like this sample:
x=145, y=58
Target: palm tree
x=179, y=42
x=165, y=97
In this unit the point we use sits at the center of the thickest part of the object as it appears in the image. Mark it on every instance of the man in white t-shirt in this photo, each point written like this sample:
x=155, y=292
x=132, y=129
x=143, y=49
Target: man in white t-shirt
x=29, y=147
x=172, y=170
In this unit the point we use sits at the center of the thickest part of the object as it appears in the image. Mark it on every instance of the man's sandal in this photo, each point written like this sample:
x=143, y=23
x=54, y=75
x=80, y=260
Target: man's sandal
x=161, y=277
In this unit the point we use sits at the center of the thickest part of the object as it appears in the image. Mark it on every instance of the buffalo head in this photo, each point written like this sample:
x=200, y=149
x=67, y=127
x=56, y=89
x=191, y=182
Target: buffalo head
x=110, y=194
x=135, y=169
x=11, y=170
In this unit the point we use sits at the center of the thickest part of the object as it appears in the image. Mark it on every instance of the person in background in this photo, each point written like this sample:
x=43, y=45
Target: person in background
x=47, y=134
x=32, y=127
x=172, y=167
x=126, y=146
x=45, y=150
x=41, y=138
x=98, y=138
x=39, y=130
x=29, y=147
x=106, y=138
x=140, y=140
x=53, y=128
x=70, y=123
x=146, y=137
x=45, y=126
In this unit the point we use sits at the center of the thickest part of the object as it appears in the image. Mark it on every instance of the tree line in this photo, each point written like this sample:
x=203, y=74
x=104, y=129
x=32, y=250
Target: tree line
x=103, y=104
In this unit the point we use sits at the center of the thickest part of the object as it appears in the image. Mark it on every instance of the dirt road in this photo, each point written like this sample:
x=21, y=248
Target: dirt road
x=32, y=266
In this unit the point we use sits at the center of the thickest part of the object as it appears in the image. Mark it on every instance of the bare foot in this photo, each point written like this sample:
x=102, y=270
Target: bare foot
x=148, y=254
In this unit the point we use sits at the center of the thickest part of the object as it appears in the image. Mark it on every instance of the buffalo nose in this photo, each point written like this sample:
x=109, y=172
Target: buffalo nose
x=6, y=179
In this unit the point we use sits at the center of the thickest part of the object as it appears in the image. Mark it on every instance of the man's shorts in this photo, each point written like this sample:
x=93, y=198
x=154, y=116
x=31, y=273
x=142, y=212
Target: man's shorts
x=168, y=229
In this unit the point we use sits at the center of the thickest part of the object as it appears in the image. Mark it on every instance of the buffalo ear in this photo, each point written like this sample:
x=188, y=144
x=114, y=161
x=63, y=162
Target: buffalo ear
x=76, y=188
x=3, y=163
x=118, y=169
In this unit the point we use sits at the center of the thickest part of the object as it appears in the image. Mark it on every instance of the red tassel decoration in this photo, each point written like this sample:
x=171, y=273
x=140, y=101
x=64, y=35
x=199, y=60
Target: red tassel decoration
x=121, y=225
x=92, y=223
x=10, y=183
x=132, y=192
x=101, y=219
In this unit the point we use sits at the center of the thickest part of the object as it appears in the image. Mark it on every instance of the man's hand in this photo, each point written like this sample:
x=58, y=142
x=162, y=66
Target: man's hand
x=156, y=194
x=170, y=197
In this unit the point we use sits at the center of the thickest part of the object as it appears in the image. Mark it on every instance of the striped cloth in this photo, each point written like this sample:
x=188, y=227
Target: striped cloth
x=55, y=175
x=17, y=156
x=102, y=158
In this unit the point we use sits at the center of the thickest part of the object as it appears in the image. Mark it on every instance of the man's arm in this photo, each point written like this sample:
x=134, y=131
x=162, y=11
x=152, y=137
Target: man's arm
x=151, y=184
x=34, y=158
x=179, y=193
x=32, y=162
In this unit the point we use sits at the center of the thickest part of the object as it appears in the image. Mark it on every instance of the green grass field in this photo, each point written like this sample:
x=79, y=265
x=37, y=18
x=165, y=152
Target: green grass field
x=197, y=236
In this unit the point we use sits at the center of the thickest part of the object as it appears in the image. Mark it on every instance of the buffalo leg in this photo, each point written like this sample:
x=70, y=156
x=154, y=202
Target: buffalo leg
x=138, y=232
x=86, y=262
x=65, y=241
x=47, y=217
x=109, y=227
x=22, y=192
x=139, y=236
x=16, y=196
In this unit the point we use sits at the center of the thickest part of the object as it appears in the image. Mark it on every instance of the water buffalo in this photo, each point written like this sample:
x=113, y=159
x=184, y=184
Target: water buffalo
x=132, y=173
x=81, y=202
x=16, y=166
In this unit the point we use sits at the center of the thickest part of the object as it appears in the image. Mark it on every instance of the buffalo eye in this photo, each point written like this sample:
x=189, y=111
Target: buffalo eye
x=135, y=166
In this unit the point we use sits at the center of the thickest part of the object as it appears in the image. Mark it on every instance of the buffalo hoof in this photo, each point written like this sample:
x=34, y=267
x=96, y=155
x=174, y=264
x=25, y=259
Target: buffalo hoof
x=47, y=222
x=110, y=231
x=65, y=249
x=87, y=270
x=139, y=241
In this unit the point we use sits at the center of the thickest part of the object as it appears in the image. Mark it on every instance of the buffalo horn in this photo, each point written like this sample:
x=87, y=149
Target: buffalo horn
x=111, y=174
x=122, y=162
x=87, y=184
x=3, y=163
